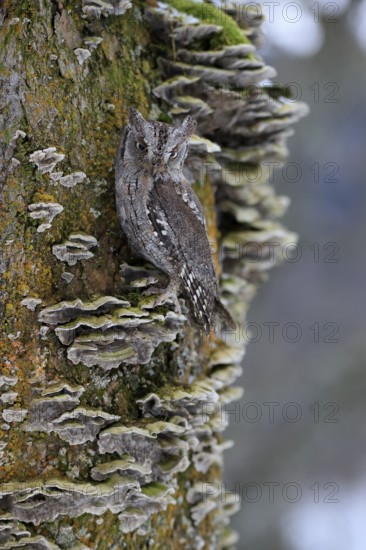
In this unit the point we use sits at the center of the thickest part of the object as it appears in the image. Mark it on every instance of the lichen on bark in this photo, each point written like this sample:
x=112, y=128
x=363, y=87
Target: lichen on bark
x=112, y=408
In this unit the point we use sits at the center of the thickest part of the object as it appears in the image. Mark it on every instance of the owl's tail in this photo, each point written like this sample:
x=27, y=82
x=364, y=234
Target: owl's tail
x=212, y=316
x=221, y=318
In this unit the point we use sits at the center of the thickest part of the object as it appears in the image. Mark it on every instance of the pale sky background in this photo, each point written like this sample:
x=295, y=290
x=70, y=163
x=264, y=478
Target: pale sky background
x=327, y=61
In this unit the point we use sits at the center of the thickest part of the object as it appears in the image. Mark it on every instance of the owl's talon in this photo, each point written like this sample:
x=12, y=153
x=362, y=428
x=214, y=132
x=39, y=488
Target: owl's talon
x=164, y=295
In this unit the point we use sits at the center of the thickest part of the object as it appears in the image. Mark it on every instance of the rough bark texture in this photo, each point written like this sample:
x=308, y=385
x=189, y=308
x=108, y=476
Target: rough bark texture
x=111, y=408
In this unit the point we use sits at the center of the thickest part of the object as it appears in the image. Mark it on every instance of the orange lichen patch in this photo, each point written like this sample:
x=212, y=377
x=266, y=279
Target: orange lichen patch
x=42, y=196
x=206, y=195
x=171, y=524
x=72, y=110
x=30, y=458
x=20, y=357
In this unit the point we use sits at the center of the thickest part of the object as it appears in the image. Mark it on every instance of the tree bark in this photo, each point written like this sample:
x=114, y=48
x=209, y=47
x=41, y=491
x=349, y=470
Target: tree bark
x=112, y=408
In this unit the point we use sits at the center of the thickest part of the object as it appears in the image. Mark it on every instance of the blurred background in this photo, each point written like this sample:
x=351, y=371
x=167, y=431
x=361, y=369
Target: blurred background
x=299, y=461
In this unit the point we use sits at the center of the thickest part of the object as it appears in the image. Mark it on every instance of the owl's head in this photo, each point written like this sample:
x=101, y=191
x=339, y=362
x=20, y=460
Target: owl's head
x=157, y=144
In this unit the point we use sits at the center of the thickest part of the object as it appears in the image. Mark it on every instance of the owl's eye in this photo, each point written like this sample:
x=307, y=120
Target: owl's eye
x=173, y=154
x=140, y=146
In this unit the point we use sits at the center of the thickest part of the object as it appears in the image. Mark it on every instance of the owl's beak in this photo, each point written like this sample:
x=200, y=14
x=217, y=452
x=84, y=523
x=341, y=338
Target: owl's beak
x=159, y=167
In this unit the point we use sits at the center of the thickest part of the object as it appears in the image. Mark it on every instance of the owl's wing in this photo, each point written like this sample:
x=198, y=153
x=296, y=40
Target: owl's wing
x=183, y=235
x=189, y=197
x=179, y=221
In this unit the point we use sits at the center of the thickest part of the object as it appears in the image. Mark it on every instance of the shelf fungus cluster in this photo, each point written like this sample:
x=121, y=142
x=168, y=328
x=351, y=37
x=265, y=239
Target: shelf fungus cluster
x=46, y=211
x=77, y=247
x=8, y=412
x=245, y=119
x=126, y=407
x=108, y=332
x=46, y=159
x=180, y=428
x=98, y=8
x=135, y=474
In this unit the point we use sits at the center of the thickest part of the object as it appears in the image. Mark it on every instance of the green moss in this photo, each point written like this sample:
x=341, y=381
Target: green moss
x=164, y=117
x=208, y=13
x=72, y=112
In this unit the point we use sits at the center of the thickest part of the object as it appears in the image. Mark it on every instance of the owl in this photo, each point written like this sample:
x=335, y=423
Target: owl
x=162, y=217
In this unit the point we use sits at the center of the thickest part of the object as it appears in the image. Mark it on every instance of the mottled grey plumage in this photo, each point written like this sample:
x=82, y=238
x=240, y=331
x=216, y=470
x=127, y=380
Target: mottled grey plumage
x=161, y=215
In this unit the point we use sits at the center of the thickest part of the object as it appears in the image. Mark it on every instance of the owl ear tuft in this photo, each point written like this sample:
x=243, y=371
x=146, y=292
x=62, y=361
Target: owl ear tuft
x=188, y=127
x=136, y=120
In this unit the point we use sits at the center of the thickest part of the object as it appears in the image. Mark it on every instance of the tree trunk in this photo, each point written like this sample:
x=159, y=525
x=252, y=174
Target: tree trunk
x=112, y=408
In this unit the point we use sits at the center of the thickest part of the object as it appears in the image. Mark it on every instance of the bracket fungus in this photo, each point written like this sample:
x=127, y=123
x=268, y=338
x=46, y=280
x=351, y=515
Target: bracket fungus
x=96, y=8
x=46, y=159
x=75, y=249
x=107, y=346
x=82, y=55
x=72, y=179
x=93, y=41
x=46, y=211
x=31, y=303
x=109, y=332
x=57, y=410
